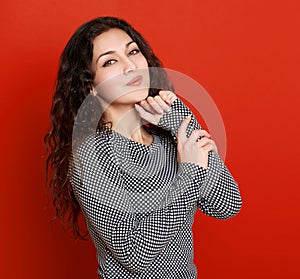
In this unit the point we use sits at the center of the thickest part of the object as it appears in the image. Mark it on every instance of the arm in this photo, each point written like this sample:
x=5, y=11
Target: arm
x=99, y=189
x=219, y=196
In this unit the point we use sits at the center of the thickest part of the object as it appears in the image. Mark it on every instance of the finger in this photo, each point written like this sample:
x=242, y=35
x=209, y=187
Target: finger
x=146, y=106
x=204, y=133
x=196, y=135
x=155, y=106
x=204, y=141
x=181, y=134
x=215, y=148
x=165, y=96
x=194, y=138
x=207, y=148
x=172, y=97
x=207, y=145
x=168, y=96
x=162, y=103
x=144, y=114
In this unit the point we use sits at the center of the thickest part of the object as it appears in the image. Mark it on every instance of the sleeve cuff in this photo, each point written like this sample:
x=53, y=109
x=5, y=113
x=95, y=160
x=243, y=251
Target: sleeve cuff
x=171, y=120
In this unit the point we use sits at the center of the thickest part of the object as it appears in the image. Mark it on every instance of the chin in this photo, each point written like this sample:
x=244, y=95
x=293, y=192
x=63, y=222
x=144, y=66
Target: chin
x=132, y=97
x=139, y=95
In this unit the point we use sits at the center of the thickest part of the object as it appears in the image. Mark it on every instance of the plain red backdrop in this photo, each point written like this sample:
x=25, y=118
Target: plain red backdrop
x=246, y=55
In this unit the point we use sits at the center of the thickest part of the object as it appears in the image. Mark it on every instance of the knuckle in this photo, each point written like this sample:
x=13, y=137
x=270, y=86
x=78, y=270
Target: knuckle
x=196, y=132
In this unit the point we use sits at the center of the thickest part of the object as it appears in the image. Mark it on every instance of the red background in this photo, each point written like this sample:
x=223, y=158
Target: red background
x=244, y=53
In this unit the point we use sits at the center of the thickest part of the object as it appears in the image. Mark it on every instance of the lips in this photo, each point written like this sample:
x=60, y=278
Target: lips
x=135, y=81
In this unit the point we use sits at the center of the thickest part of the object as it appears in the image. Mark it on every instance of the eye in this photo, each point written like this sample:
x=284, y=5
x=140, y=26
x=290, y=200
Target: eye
x=134, y=52
x=109, y=62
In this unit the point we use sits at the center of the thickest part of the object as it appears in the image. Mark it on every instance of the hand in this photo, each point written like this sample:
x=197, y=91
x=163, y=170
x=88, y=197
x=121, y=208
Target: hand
x=153, y=108
x=191, y=149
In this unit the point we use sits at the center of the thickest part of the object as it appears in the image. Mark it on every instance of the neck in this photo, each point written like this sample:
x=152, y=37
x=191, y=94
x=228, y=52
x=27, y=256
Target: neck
x=126, y=121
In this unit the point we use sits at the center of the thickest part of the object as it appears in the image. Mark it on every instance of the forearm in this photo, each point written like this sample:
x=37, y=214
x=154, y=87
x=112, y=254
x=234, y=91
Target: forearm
x=220, y=196
x=171, y=121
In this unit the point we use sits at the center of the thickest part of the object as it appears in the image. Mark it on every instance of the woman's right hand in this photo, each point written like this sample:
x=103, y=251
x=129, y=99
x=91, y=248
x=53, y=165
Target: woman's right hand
x=192, y=149
x=152, y=108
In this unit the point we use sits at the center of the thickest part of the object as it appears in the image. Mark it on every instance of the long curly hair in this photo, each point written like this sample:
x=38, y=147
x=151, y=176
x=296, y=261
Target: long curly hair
x=73, y=84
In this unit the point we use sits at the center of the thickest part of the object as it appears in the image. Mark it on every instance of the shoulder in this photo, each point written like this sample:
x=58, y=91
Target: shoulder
x=93, y=162
x=93, y=147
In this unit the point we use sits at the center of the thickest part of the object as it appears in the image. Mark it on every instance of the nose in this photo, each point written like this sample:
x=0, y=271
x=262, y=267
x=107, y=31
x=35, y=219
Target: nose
x=129, y=66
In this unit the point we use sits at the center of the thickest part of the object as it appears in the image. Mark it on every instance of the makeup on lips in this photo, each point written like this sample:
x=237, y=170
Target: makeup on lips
x=136, y=81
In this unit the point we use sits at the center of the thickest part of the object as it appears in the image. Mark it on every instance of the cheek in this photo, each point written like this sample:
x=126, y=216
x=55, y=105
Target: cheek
x=143, y=69
x=105, y=73
x=109, y=85
x=100, y=77
x=145, y=62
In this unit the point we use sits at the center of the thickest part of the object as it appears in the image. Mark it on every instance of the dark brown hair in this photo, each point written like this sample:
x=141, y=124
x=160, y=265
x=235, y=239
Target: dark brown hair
x=73, y=85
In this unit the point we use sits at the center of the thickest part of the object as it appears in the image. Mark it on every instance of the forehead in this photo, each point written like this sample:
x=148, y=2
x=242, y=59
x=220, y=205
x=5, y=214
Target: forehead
x=111, y=40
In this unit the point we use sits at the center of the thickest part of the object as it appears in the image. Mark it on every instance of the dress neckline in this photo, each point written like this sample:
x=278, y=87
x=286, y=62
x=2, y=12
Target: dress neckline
x=126, y=143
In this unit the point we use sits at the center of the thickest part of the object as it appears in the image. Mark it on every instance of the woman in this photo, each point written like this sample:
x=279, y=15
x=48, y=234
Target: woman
x=129, y=155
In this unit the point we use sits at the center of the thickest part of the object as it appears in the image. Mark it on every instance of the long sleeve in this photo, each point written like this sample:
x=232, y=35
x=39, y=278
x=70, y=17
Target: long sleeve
x=219, y=196
x=99, y=188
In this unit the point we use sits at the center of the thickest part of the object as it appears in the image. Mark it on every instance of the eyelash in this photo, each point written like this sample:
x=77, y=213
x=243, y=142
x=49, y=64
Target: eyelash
x=109, y=62
x=137, y=51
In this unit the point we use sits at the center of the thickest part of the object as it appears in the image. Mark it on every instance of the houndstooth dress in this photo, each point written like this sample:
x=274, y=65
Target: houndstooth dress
x=139, y=203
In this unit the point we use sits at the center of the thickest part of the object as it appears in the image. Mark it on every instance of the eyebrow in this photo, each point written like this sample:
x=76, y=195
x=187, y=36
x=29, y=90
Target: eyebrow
x=112, y=51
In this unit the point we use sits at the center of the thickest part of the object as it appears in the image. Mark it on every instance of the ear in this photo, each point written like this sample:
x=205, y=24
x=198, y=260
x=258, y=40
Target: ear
x=93, y=91
x=98, y=97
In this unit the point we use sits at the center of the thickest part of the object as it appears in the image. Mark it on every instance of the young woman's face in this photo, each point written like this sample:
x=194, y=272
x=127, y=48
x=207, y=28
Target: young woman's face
x=121, y=70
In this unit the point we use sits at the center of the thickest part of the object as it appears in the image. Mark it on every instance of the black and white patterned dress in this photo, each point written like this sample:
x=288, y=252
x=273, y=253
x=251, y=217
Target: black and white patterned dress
x=139, y=203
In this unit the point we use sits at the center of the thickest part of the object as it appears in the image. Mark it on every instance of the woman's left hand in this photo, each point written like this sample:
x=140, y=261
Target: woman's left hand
x=152, y=108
